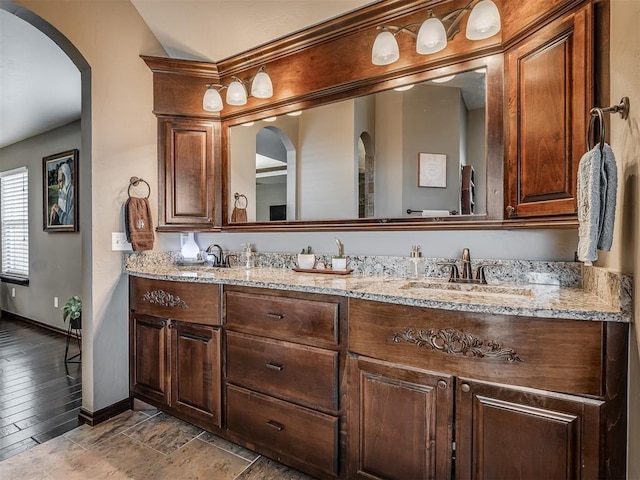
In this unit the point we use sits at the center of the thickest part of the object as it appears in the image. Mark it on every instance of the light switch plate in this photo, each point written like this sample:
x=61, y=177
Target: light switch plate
x=119, y=242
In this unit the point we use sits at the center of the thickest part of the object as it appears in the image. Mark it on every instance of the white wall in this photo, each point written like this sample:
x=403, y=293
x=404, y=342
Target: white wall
x=54, y=258
x=625, y=141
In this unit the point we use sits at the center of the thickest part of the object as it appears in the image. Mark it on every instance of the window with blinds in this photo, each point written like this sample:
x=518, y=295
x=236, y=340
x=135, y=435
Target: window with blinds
x=14, y=211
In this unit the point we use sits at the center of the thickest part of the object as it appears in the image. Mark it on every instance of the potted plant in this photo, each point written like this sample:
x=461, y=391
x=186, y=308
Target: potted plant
x=72, y=310
x=306, y=259
x=339, y=262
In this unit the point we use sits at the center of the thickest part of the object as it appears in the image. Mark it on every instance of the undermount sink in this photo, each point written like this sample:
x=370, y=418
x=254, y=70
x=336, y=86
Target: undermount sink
x=483, y=289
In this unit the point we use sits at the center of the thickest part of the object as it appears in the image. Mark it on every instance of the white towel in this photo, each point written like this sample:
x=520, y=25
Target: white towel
x=597, y=189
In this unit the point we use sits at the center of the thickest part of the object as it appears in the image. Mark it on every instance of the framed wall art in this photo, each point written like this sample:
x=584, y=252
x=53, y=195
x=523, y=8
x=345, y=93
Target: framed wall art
x=432, y=170
x=60, y=196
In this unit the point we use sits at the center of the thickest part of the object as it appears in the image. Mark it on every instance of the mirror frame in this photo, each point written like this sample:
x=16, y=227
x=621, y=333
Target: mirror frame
x=494, y=148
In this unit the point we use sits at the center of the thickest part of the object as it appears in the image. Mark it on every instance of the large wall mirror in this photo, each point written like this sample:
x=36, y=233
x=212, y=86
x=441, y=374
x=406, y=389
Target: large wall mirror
x=417, y=152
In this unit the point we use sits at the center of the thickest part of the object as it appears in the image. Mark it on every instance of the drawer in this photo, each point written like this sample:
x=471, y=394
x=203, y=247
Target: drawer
x=189, y=302
x=303, y=435
x=549, y=354
x=298, y=373
x=308, y=321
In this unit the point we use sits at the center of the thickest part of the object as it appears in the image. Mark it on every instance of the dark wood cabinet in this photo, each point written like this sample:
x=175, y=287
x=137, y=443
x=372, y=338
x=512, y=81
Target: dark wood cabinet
x=549, y=89
x=401, y=422
x=510, y=433
x=188, y=176
x=148, y=357
x=176, y=364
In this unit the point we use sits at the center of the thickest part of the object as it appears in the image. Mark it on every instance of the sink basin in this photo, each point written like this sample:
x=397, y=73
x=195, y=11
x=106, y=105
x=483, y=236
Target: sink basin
x=482, y=289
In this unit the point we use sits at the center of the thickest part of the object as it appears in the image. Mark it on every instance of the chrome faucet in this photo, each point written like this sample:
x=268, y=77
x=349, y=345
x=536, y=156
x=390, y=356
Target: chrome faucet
x=220, y=259
x=467, y=271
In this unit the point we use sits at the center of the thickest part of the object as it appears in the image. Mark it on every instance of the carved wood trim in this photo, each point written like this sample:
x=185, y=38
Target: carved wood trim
x=164, y=298
x=456, y=342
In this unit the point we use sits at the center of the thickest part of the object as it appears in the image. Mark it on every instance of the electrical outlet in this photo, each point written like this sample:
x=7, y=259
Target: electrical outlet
x=119, y=242
x=55, y=302
x=13, y=293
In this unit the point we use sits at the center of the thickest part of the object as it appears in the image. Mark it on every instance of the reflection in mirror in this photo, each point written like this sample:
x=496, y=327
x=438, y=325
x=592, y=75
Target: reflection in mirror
x=416, y=152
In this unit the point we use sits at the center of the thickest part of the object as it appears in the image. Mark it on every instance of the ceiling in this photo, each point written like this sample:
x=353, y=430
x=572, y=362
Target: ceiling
x=208, y=30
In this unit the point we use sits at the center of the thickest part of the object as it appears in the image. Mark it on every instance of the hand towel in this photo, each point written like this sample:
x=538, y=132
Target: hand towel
x=138, y=223
x=597, y=189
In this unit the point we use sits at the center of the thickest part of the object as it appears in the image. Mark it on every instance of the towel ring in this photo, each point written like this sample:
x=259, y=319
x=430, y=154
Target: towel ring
x=134, y=182
x=237, y=197
x=596, y=113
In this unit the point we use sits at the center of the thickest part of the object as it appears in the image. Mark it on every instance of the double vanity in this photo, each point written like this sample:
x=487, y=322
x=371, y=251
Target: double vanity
x=363, y=376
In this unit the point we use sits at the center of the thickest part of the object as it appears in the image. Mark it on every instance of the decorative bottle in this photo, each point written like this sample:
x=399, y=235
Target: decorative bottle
x=190, y=248
x=248, y=258
x=415, y=264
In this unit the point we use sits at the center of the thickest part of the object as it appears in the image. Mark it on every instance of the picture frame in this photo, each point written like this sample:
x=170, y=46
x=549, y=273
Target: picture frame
x=60, y=194
x=432, y=170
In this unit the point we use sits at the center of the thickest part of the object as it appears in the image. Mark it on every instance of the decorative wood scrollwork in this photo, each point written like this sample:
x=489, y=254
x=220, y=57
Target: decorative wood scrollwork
x=454, y=342
x=165, y=299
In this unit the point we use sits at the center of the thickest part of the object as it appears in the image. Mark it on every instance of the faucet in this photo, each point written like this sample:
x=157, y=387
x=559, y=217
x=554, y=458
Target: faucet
x=221, y=260
x=467, y=271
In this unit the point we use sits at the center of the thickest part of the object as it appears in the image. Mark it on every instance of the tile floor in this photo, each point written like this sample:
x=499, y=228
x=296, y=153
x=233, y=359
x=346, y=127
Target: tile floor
x=142, y=445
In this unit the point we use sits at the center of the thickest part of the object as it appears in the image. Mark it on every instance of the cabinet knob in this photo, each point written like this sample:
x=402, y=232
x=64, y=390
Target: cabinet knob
x=465, y=387
x=163, y=323
x=510, y=211
x=442, y=384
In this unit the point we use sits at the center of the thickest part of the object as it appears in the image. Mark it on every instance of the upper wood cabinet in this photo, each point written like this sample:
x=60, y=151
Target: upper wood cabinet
x=550, y=90
x=187, y=174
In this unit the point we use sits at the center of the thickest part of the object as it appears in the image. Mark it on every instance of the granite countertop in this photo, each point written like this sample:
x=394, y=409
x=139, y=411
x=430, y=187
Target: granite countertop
x=546, y=301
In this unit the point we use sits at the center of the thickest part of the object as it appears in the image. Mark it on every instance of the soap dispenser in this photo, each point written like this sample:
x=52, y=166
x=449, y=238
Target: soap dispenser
x=415, y=265
x=248, y=259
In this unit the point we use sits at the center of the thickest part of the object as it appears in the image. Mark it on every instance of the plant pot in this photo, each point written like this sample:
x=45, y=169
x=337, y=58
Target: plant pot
x=339, y=263
x=76, y=323
x=306, y=261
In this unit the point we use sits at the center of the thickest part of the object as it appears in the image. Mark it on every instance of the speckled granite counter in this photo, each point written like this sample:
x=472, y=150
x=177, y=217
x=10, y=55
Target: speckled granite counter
x=547, y=301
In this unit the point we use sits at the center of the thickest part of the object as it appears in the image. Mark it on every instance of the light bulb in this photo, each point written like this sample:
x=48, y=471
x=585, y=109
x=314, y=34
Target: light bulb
x=385, y=49
x=484, y=21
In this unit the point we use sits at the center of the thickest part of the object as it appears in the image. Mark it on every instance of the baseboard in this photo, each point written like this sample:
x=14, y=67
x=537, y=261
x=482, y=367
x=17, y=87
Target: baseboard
x=35, y=323
x=99, y=416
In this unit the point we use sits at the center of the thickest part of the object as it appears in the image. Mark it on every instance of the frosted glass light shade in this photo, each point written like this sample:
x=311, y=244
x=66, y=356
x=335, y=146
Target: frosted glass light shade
x=261, y=87
x=385, y=49
x=236, y=93
x=484, y=21
x=431, y=37
x=212, y=101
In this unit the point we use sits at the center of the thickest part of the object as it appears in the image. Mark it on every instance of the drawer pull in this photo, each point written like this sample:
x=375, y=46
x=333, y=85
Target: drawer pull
x=275, y=425
x=274, y=366
x=277, y=316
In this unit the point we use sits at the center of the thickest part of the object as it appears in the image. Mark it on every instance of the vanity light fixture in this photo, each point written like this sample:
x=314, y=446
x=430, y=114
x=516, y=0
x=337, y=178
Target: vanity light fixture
x=295, y=114
x=432, y=35
x=261, y=87
x=247, y=124
x=270, y=119
x=404, y=88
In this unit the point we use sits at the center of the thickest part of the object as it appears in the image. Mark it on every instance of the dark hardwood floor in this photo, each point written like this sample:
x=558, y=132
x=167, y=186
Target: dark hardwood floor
x=40, y=395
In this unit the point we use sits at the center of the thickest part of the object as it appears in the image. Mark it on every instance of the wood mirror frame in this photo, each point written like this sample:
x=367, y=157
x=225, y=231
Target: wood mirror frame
x=311, y=67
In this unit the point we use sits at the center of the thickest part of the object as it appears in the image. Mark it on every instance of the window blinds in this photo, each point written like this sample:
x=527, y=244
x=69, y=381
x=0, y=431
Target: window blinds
x=14, y=211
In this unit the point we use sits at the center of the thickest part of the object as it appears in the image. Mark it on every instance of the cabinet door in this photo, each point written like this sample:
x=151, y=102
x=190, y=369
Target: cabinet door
x=195, y=371
x=516, y=433
x=148, y=372
x=186, y=174
x=549, y=96
x=401, y=422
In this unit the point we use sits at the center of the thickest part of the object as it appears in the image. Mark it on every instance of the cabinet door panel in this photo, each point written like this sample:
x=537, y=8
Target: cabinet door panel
x=401, y=422
x=186, y=173
x=549, y=88
x=148, y=357
x=510, y=433
x=195, y=381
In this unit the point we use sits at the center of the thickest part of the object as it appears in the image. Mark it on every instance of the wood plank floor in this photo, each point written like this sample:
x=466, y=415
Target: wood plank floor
x=40, y=395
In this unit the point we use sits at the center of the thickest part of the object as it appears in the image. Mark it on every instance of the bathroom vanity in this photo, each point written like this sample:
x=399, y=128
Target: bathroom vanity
x=370, y=377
